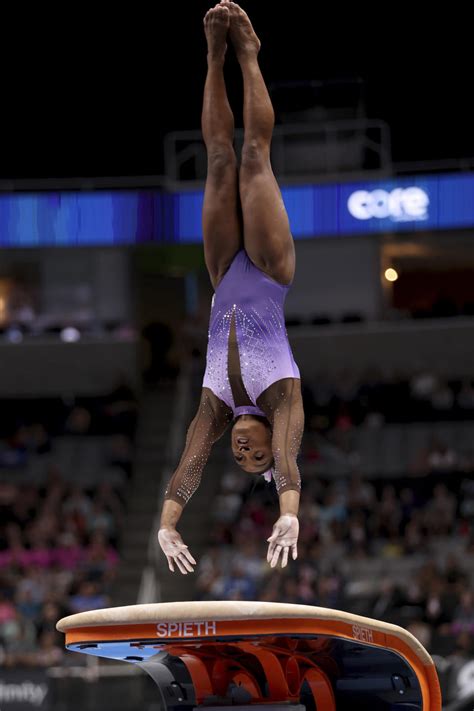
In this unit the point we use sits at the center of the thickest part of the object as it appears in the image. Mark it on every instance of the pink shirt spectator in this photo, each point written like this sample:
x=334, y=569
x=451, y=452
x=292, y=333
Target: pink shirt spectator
x=68, y=557
x=7, y=611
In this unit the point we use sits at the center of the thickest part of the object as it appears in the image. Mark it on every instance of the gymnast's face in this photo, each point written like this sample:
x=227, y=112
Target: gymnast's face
x=251, y=441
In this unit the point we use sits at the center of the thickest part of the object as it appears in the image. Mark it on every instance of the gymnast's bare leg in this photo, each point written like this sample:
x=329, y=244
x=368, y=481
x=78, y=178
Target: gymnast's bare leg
x=267, y=237
x=221, y=221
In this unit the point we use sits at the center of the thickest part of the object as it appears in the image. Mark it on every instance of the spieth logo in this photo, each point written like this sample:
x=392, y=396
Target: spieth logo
x=364, y=634
x=186, y=629
x=399, y=205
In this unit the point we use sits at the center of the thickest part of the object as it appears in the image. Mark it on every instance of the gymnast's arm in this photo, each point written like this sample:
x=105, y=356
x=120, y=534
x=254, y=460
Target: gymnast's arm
x=283, y=405
x=208, y=425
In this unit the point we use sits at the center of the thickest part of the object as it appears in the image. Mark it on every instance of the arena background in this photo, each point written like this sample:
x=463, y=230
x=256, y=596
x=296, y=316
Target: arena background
x=104, y=303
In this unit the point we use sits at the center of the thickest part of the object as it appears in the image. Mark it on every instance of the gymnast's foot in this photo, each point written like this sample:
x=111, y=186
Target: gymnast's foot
x=216, y=27
x=242, y=34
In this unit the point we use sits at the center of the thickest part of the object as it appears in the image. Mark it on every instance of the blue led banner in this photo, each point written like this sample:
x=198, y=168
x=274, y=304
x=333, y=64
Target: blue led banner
x=119, y=217
x=399, y=205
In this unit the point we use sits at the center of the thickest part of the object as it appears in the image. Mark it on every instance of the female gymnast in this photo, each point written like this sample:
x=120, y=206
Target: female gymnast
x=251, y=379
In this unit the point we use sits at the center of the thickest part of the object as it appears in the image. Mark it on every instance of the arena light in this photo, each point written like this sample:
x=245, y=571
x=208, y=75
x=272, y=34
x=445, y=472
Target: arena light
x=70, y=335
x=391, y=274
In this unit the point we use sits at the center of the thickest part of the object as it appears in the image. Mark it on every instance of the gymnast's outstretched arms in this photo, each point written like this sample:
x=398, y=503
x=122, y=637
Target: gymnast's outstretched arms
x=282, y=404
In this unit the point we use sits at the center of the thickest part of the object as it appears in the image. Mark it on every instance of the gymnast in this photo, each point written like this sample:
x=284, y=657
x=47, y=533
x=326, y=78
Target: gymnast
x=251, y=379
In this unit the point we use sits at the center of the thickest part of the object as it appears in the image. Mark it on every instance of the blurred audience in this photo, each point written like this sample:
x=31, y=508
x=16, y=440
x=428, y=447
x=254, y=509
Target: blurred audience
x=344, y=400
x=59, y=539
x=345, y=524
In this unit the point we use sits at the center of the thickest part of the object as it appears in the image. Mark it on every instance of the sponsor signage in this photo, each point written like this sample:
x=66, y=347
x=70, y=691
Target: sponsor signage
x=126, y=217
x=24, y=690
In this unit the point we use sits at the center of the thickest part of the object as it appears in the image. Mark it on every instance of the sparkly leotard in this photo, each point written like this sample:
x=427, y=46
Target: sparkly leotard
x=249, y=359
x=255, y=302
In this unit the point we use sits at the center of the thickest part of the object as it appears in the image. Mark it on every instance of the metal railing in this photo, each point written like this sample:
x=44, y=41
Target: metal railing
x=320, y=148
x=196, y=152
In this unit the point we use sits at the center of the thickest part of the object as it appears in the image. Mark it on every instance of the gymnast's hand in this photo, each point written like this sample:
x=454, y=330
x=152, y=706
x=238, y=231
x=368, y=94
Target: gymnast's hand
x=175, y=550
x=284, y=536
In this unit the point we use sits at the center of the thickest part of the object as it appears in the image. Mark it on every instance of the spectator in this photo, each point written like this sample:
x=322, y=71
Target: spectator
x=442, y=399
x=238, y=585
x=441, y=511
x=463, y=618
x=387, y=600
x=440, y=457
x=465, y=397
x=78, y=422
x=87, y=597
x=439, y=604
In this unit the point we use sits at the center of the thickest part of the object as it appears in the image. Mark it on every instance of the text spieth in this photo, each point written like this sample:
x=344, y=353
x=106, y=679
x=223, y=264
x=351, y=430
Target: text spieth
x=201, y=629
x=186, y=629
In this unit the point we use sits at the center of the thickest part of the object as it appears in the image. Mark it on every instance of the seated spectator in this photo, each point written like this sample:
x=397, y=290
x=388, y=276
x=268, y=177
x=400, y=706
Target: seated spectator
x=414, y=538
x=248, y=558
x=441, y=511
x=18, y=636
x=27, y=605
x=329, y=590
x=463, y=617
x=78, y=422
x=439, y=605
x=454, y=574
x=361, y=494
x=120, y=453
x=385, y=603
x=101, y=520
x=7, y=609
x=69, y=553
x=87, y=597
x=100, y=558
x=238, y=584
x=78, y=508
x=465, y=397
x=389, y=513
x=120, y=409
x=440, y=457
x=357, y=535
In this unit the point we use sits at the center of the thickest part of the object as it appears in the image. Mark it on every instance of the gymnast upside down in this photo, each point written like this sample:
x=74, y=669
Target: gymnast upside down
x=251, y=379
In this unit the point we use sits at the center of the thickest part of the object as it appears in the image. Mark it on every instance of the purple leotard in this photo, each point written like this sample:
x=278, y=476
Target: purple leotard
x=256, y=301
x=248, y=352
